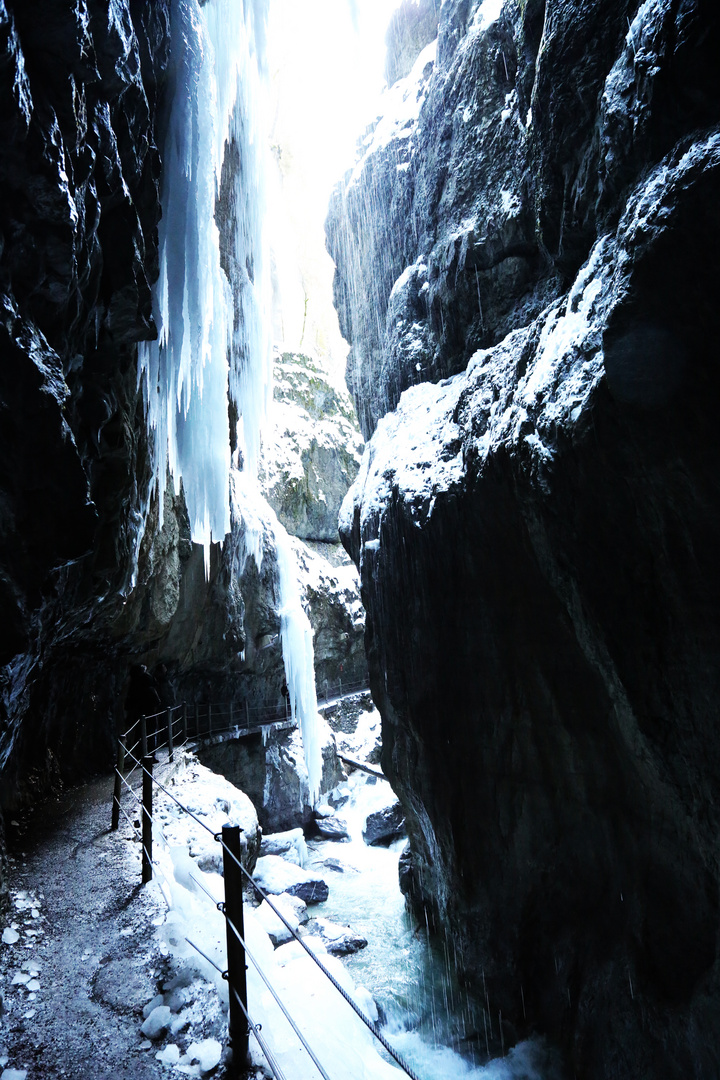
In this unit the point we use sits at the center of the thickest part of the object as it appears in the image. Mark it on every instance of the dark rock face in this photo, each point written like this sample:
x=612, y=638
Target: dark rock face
x=90, y=583
x=272, y=772
x=79, y=98
x=384, y=825
x=537, y=536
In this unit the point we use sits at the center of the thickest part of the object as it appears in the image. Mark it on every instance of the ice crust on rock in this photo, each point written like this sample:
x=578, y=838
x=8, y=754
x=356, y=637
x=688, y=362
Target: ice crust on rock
x=274, y=926
x=169, y=1055
x=207, y=1054
x=275, y=875
x=288, y=845
x=157, y=1022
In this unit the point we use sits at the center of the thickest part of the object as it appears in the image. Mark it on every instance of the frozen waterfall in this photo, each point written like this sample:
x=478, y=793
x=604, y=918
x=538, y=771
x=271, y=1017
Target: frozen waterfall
x=212, y=306
x=256, y=525
x=212, y=340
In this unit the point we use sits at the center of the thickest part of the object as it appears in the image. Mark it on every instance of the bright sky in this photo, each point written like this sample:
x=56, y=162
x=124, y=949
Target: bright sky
x=326, y=62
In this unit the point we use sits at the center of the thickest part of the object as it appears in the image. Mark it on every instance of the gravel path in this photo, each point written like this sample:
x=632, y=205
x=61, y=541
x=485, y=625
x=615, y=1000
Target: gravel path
x=86, y=939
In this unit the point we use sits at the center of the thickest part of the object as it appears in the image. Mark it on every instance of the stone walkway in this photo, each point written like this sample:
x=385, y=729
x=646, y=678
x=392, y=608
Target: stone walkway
x=86, y=939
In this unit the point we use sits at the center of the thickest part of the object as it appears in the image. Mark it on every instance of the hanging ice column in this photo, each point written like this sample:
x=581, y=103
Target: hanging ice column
x=212, y=306
x=216, y=104
x=260, y=523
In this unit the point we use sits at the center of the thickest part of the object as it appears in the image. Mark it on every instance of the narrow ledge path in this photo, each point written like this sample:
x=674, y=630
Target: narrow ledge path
x=85, y=922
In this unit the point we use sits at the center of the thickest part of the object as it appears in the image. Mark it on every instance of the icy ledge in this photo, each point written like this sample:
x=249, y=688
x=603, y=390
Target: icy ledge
x=526, y=391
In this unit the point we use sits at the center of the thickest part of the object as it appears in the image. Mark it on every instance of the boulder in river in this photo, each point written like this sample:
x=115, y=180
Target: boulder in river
x=339, y=940
x=276, y=875
x=384, y=825
x=332, y=828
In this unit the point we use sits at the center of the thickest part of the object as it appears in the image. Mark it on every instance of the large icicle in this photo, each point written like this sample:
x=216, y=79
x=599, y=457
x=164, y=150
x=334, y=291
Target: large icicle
x=215, y=74
x=256, y=520
x=214, y=340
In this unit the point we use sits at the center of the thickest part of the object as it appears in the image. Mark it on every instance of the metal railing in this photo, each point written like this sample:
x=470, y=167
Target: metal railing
x=340, y=689
x=240, y=1023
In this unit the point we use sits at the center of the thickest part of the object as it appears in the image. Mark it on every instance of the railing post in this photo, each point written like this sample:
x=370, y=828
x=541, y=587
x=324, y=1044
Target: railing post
x=143, y=737
x=231, y=715
x=117, y=792
x=247, y=714
x=184, y=721
x=168, y=715
x=147, y=789
x=237, y=980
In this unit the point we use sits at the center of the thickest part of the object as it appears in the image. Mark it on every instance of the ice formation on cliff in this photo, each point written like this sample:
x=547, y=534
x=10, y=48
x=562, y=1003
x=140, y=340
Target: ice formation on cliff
x=209, y=341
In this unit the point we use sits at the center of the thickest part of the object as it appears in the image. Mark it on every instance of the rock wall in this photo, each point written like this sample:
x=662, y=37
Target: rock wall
x=536, y=526
x=311, y=455
x=79, y=105
x=90, y=582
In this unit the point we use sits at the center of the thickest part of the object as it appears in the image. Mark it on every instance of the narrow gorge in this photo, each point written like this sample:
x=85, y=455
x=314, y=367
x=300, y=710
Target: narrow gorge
x=517, y=453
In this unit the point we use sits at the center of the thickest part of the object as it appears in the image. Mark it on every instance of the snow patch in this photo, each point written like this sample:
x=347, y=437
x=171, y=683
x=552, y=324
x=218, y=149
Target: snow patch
x=488, y=13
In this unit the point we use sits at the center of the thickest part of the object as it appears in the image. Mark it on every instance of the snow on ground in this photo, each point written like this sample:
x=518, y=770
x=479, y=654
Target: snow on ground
x=99, y=976
x=193, y=923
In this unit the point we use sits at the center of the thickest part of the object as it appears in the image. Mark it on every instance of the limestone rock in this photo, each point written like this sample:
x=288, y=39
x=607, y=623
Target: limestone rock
x=313, y=453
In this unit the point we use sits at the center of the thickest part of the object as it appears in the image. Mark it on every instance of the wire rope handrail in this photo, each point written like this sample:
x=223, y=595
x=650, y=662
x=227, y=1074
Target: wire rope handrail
x=371, y=1025
x=227, y=713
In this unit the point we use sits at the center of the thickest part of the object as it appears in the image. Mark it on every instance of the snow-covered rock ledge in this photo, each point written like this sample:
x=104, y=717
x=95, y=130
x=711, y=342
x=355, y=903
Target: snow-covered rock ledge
x=537, y=546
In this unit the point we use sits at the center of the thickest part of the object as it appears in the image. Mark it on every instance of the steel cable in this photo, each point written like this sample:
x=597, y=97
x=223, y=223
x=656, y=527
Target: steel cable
x=275, y=1068
x=261, y=892
x=353, y=1004
x=262, y=975
x=274, y=993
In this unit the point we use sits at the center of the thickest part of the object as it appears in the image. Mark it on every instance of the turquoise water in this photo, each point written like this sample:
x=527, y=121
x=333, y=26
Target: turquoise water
x=435, y=1023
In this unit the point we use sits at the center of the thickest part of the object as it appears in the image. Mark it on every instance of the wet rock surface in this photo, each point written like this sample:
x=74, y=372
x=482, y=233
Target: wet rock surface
x=536, y=535
x=384, y=826
x=79, y=191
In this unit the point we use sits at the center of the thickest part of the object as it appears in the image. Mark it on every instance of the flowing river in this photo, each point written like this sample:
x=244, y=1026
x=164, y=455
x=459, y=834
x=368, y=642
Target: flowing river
x=435, y=1023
